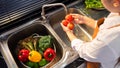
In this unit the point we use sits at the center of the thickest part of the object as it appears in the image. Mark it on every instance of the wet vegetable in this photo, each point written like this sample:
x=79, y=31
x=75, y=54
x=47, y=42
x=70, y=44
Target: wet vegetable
x=70, y=26
x=65, y=22
x=23, y=55
x=34, y=56
x=68, y=22
x=69, y=18
x=45, y=42
x=49, y=54
x=31, y=50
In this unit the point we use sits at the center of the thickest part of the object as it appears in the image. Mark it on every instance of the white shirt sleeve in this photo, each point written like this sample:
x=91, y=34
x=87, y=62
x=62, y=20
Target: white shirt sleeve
x=76, y=44
x=95, y=51
x=105, y=47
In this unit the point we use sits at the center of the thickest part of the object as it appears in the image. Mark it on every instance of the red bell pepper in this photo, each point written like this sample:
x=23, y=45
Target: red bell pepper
x=23, y=55
x=49, y=54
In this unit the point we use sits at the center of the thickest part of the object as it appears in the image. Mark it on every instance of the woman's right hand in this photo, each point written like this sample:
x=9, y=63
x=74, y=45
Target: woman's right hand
x=65, y=28
x=80, y=19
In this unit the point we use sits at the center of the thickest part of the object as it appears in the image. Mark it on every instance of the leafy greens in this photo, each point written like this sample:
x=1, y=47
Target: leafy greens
x=93, y=4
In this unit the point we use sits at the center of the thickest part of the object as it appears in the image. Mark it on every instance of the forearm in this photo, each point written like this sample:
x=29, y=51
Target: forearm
x=71, y=36
x=90, y=22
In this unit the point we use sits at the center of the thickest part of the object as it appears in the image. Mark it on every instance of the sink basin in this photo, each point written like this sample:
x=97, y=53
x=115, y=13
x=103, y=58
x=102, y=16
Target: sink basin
x=11, y=42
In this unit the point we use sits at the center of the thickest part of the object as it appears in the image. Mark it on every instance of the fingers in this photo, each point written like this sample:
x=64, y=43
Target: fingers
x=65, y=28
x=62, y=25
x=78, y=18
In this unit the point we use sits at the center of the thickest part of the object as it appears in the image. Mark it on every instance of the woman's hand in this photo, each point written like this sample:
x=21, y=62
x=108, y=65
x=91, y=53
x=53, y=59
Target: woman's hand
x=65, y=28
x=80, y=19
x=69, y=32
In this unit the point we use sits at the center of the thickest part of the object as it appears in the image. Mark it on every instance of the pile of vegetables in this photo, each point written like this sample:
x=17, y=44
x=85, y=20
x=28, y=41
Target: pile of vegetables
x=94, y=4
x=36, y=51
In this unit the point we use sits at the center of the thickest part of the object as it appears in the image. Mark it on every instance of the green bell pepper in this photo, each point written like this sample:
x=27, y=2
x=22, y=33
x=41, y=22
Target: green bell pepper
x=43, y=62
x=30, y=64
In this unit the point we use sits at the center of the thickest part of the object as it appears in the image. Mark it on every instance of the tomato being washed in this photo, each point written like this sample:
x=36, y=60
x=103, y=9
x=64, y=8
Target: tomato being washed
x=69, y=18
x=65, y=22
x=70, y=26
x=68, y=22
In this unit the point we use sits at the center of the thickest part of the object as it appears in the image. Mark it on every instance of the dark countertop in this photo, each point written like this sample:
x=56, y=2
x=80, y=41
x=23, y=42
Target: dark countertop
x=76, y=63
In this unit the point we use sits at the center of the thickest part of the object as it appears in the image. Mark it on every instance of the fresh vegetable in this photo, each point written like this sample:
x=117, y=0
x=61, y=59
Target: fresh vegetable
x=28, y=45
x=69, y=18
x=36, y=46
x=45, y=42
x=36, y=65
x=34, y=56
x=65, y=22
x=30, y=64
x=43, y=62
x=70, y=26
x=23, y=55
x=49, y=54
x=94, y=4
x=68, y=22
x=41, y=52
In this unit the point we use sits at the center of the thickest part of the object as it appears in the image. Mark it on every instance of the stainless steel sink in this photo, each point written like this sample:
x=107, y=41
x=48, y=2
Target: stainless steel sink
x=65, y=54
x=12, y=40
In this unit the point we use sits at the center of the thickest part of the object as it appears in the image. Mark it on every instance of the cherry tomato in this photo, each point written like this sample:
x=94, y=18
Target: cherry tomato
x=65, y=22
x=70, y=26
x=69, y=18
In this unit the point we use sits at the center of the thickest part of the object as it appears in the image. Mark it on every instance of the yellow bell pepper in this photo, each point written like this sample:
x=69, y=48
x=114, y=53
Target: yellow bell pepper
x=34, y=56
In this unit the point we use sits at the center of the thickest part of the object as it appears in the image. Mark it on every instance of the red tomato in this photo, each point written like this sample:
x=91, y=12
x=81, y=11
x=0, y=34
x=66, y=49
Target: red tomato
x=70, y=26
x=65, y=22
x=69, y=18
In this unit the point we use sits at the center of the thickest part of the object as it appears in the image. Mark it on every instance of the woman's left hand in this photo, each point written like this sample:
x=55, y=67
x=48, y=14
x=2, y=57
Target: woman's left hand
x=65, y=28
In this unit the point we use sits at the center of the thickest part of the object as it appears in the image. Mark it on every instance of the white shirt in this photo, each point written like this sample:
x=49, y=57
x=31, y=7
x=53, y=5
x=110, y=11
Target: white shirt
x=105, y=48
